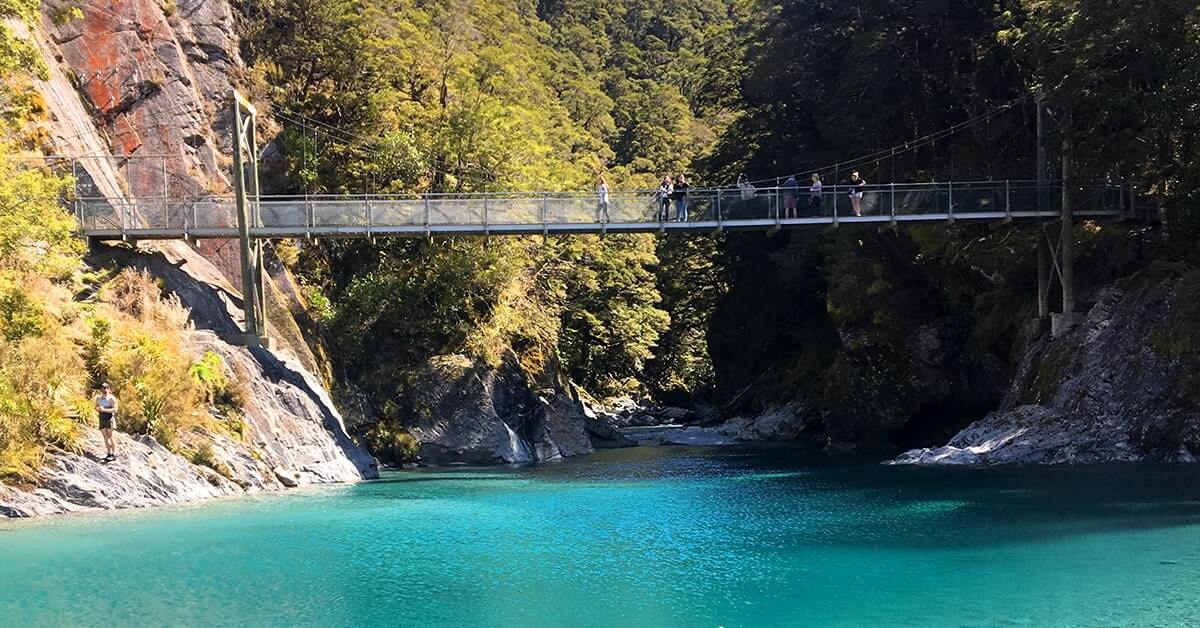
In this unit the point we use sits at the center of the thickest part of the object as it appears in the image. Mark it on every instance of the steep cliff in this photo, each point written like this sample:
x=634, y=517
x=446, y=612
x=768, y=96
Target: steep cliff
x=149, y=83
x=461, y=410
x=1122, y=387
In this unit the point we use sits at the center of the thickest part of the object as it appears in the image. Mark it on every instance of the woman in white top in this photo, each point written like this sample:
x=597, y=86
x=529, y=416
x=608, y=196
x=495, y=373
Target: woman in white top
x=814, y=195
x=602, y=209
x=664, y=199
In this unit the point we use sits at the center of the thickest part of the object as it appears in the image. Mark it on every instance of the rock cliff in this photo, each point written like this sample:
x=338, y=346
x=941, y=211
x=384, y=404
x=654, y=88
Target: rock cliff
x=1118, y=388
x=150, y=83
x=292, y=434
x=462, y=410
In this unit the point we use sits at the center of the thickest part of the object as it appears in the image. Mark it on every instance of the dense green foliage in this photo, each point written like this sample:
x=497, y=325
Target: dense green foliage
x=476, y=96
x=907, y=335
x=892, y=336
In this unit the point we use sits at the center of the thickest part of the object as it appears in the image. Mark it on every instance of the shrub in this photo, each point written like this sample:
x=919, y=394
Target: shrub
x=42, y=385
x=208, y=372
x=203, y=455
x=393, y=445
x=66, y=15
x=142, y=356
x=95, y=349
x=136, y=293
x=287, y=252
x=227, y=394
x=320, y=308
x=20, y=317
x=36, y=235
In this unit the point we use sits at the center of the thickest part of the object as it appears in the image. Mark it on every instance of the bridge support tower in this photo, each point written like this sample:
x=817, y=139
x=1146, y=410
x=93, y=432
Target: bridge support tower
x=1056, y=247
x=245, y=187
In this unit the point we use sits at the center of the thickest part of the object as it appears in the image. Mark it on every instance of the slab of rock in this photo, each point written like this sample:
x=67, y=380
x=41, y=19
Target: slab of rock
x=690, y=436
x=605, y=435
x=287, y=477
x=1031, y=435
x=783, y=423
x=1103, y=393
x=144, y=474
x=462, y=410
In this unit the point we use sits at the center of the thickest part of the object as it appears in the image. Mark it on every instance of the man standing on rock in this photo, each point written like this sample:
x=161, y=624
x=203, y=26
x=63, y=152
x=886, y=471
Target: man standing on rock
x=106, y=407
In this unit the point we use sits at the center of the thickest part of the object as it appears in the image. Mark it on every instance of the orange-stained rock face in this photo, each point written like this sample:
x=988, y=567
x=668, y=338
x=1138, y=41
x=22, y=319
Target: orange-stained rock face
x=152, y=78
x=155, y=81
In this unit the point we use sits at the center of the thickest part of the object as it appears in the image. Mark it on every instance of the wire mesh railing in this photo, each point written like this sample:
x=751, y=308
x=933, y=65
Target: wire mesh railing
x=214, y=216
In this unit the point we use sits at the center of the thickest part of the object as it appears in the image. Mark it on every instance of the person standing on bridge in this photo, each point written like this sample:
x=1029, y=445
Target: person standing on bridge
x=602, y=209
x=814, y=196
x=680, y=194
x=791, y=197
x=106, y=407
x=663, y=197
x=857, y=184
x=746, y=188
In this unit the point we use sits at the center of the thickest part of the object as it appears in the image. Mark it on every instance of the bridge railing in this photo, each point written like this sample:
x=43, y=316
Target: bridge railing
x=468, y=212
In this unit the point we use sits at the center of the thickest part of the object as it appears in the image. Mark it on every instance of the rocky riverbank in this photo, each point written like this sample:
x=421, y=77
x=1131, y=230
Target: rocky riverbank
x=292, y=434
x=1121, y=387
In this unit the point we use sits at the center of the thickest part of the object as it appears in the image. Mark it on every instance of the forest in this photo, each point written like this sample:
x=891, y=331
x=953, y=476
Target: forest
x=889, y=338
x=412, y=96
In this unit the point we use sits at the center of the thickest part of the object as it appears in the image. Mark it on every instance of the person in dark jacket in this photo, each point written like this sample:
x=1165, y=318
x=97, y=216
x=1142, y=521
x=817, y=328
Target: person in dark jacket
x=680, y=195
x=857, y=185
x=791, y=197
x=663, y=197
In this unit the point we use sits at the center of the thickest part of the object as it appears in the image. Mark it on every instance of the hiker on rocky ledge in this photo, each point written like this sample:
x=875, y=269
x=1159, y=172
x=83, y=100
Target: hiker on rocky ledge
x=106, y=407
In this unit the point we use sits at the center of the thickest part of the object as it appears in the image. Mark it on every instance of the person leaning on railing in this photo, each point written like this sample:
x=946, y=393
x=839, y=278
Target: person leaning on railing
x=663, y=198
x=680, y=196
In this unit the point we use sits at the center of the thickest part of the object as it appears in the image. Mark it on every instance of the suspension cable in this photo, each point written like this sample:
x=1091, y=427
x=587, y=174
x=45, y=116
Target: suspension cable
x=912, y=145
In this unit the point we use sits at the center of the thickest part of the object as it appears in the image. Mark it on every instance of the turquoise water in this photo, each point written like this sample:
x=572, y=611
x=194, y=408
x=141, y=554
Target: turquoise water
x=642, y=537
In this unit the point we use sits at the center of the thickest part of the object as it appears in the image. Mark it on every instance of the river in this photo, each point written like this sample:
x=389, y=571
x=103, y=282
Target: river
x=638, y=537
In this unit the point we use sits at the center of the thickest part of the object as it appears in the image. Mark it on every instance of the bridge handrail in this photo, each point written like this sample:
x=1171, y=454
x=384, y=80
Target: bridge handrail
x=802, y=188
x=571, y=211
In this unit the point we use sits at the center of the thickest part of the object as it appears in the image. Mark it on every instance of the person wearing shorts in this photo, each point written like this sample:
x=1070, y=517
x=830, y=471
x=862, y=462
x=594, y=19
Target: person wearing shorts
x=857, y=184
x=791, y=197
x=106, y=407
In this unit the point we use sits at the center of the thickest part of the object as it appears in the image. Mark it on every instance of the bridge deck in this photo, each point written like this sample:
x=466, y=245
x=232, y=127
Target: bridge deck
x=636, y=212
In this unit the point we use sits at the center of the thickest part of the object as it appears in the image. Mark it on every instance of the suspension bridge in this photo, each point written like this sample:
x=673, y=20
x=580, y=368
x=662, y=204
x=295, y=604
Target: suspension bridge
x=251, y=217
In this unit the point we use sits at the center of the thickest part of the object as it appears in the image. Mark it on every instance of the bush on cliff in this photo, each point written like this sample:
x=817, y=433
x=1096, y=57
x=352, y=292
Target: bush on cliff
x=55, y=350
x=392, y=445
